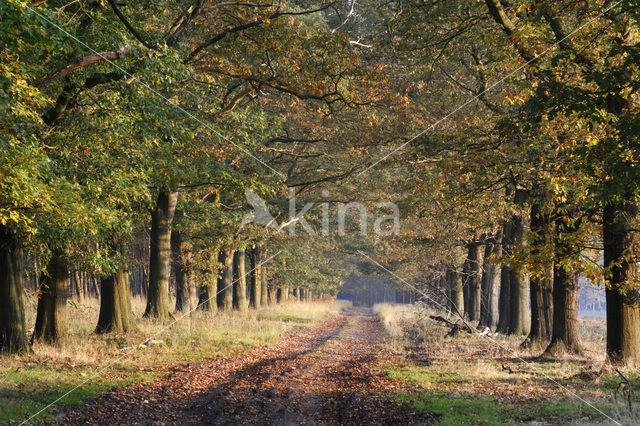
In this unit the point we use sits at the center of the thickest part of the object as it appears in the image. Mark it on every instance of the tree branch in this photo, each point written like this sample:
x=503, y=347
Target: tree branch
x=181, y=23
x=67, y=97
x=126, y=23
x=81, y=63
x=258, y=22
x=500, y=16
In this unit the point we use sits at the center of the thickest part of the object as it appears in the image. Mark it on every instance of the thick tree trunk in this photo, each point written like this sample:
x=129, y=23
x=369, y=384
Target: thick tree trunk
x=115, y=302
x=514, y=288
x=255, y=290
x=240, y=282
x=520, y=315
x=182, y=253
x=13, y=332
x=474, y=280
x=160, y=255
x=504, y=301
x=540, y=310
x=51, y=318
x=623, y=321
x=225, y=290
x=490, y=284
x=519, y=294
x=564, y=334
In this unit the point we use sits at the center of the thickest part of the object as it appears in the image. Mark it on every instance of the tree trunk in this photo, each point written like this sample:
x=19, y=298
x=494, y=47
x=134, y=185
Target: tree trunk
x=474, y=280
x=564, y=334
x=466, y=290
x=456, y=292
x=13, y=331
x=272, y=295
x=547, y=300
x=264, y=298
x=225, y=290
x=520, y=316
x=51, y=319
x=504, y=301
x=490, y=284
x=115, y=302
x=78, y=281
x=160, y=255
x=539, y=332
x=204, y=298
x=255, y=291
x=182, y=253
x=623, y=321
x=240, y=282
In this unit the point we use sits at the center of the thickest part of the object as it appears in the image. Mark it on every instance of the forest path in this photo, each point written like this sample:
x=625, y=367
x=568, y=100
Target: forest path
x=323, y=375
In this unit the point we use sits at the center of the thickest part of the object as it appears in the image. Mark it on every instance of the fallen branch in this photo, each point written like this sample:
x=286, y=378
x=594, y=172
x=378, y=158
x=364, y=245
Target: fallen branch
x=456, y=327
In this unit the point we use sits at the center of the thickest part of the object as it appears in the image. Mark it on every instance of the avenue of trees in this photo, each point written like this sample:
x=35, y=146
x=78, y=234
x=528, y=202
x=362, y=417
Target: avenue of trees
x=505, y=131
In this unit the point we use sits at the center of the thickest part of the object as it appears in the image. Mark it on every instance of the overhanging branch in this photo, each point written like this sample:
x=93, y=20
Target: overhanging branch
x=83, y=62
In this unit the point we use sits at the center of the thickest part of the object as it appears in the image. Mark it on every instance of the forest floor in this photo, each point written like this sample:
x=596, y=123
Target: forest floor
x=492, y=380
x=327, y=374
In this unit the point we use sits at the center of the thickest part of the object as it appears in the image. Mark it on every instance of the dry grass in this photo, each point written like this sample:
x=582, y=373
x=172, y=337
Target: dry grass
x=29, y=382
x=495, y=377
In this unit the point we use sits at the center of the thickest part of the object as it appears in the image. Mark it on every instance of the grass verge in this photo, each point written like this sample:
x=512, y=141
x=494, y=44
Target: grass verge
x=467, y=379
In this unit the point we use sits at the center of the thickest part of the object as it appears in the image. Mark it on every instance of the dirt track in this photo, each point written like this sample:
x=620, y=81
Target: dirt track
x=323, y=375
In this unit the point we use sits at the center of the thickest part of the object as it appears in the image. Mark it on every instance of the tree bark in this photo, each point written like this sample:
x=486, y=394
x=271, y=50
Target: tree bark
x=255, y=291
x=490, y=284
x=504, y=301
x=474, y=279
x=160, y=255
x=466, y=290
x=13, y=331
x=540, y=309
x=240, y=282
x=225, y=284
x=564, y=335
x=116, y=315
x=182, y=252
x=520, y=316
x=51, y=318
x=623, y=321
